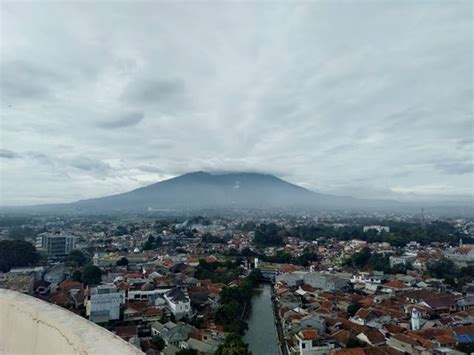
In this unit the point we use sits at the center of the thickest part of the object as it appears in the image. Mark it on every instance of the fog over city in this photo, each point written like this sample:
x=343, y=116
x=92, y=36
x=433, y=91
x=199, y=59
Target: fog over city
x=371, y=100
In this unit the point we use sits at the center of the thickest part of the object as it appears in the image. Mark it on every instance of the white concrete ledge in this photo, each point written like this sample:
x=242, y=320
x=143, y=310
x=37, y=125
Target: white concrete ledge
x=31, y=326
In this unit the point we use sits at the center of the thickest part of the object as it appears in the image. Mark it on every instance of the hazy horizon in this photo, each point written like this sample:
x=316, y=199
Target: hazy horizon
x=363, y=99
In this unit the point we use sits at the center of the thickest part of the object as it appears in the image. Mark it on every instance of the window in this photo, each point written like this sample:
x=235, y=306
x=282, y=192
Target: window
x=303, y=346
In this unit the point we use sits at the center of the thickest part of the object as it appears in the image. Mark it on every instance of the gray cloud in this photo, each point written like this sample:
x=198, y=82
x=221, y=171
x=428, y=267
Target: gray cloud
x=88, y=164
x=149, y=91
x=8, y=154
x=123, y=120
x=20, y=80
x=455, y=167
x=367, y=99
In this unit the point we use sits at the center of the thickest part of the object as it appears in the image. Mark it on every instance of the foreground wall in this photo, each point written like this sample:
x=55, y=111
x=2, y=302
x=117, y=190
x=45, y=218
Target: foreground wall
x=31, y=326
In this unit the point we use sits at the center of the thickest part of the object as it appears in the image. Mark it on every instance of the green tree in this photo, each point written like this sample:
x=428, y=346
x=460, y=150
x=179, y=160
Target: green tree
x=91, y=275
x=20, y=233
x=187, y=352
x=122, y=262
x=233, y=345
x=353, y=308
x=152, y=243
x=269, y=234
x=17, y=253
x=77, y=275
x=158, y=343
x=76, y=258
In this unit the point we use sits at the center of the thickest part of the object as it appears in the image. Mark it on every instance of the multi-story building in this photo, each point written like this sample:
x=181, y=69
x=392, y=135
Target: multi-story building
x=103, y=303
x=58, y=246
x=178, y=303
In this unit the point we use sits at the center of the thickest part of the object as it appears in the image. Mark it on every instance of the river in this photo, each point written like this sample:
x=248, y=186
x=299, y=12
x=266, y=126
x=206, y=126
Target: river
x=261, y=335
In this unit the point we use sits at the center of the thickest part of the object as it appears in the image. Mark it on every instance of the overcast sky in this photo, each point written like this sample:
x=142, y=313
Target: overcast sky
x=370, y=99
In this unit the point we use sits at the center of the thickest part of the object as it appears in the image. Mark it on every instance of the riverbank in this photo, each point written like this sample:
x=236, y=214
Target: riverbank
x=279, y=328
x=261, y=335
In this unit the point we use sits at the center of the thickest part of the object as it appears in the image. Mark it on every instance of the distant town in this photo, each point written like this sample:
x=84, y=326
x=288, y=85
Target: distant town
x=316, y=283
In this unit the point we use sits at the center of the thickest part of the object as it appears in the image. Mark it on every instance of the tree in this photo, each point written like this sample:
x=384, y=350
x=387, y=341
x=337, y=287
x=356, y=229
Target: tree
x=91, y=275
x=233, y=345
x=187, y=352
x=158, y=343
x=77, y=275
x=76, y=258
x=122, y=262
x=353, y=308
x=269, y=234
x=20, y=233
x=152, y=243
x=17, y=253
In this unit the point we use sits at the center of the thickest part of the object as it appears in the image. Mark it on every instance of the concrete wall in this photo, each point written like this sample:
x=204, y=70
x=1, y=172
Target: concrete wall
x=31, y=326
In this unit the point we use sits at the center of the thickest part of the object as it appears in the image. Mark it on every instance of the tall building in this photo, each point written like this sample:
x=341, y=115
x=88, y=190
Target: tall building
x=57, y=246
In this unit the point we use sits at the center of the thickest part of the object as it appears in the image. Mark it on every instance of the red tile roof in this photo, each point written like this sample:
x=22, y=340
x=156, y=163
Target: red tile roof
x=309, y=334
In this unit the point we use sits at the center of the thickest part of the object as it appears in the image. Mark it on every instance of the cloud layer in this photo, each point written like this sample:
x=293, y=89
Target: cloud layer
x=365, y=99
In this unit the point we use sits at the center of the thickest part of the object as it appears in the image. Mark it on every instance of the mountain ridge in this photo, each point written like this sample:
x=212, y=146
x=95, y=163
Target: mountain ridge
x=202, y=190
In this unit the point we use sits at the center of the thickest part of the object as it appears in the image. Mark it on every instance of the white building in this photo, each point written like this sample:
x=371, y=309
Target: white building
x=377, y=228
x=58, y=246
x=309, y=342
x=178, y=303
x=103, y=304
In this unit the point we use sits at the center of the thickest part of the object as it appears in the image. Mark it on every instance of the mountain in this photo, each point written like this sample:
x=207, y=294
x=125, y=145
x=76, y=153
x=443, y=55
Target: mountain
x=205, y=191
x=202, y=190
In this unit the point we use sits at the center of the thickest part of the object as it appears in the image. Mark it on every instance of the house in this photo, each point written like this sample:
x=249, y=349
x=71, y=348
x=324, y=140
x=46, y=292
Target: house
x=178, y=303
x=394, y=286
x=103, y=304
x=365, y=315
x=406, y=344
x=172, y=333
x=372, y=337
x=309, y=342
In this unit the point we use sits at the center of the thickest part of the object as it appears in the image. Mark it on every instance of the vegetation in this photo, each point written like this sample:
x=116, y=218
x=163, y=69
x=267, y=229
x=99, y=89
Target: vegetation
x=401, y=233
x=158, y=343
x=233, y=345
x=234, y=302
x=76, y=258
x=284, y=258
x=209, y=238
x=20, y=233
x=121, y=230
x=77, y=275
x=187, y=352
x=452, y=275
x=269, y=235
x=218, y=272
x=353, y=308
x=373, y=261
x=152, y=243
x=17, y=253
x=122, y=262
x=91, y=275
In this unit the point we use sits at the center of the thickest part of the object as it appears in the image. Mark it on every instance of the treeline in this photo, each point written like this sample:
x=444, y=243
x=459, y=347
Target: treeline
x=152, y=243
x=234, y=301
x=452, y=274
x=280, y=257
x=269, y=235
x=17, y=253
x=218, y=272
x=401, y=233
x=209, y=238
x=365, y=260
